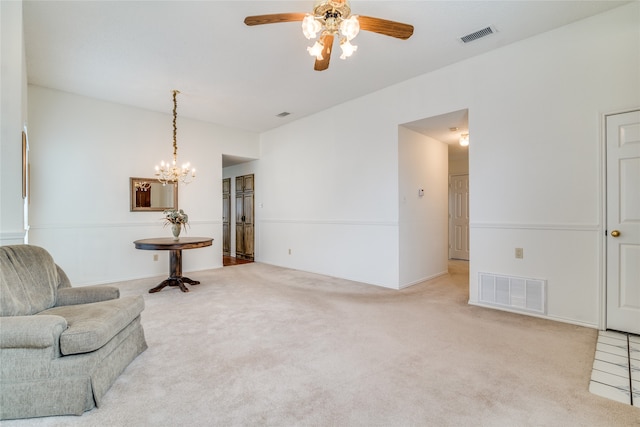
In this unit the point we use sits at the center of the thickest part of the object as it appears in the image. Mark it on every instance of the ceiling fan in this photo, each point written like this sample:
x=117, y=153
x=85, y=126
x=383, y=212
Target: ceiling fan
x=331, y=18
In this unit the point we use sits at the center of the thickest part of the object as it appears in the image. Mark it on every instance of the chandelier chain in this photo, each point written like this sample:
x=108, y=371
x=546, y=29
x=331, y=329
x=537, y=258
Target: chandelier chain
x=172, y=173
x=175, y=127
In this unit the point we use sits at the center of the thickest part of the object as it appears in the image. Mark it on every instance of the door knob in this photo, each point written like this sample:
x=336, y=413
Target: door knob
x=615, y=233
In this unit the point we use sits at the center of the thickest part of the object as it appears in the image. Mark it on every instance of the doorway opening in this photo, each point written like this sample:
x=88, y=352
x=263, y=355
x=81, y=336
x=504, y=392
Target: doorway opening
x=449, y=128
x=238, y=192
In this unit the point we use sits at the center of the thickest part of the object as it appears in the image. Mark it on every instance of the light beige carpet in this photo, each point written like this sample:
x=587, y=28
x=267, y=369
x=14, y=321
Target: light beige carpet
x=258, y=345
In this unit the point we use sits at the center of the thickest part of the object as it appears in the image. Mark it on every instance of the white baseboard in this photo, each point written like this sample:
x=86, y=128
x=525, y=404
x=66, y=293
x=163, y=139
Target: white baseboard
x=547, y=317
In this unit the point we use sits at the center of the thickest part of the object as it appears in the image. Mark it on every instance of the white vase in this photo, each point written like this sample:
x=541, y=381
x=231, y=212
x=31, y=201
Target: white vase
x=176, y=229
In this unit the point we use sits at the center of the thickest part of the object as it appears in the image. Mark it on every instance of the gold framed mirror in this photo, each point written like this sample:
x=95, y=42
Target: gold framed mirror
x=148, y=194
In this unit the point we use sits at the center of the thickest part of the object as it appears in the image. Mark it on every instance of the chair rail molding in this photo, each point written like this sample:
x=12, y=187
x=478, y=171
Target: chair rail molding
x=539, y=226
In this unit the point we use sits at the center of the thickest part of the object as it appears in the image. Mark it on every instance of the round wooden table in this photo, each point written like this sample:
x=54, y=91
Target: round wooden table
x=175, y=257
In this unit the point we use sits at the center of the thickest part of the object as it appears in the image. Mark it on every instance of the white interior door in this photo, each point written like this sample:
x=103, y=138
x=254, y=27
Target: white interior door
x=459, y=217
x=623, y=221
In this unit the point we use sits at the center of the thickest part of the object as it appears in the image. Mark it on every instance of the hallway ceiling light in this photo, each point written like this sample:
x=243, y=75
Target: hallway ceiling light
x=170, y=173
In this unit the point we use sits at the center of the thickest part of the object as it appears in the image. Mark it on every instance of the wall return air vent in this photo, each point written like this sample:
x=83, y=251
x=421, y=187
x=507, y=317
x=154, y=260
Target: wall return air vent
x=514, y=293
x=487, y=31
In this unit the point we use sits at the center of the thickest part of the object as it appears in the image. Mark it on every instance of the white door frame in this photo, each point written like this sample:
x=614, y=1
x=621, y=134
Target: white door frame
x=602, y=240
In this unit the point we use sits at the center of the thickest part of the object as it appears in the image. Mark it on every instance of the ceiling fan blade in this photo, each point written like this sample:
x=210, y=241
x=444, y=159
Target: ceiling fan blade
x=274, y=18
x=385, y=27
x=327, y=45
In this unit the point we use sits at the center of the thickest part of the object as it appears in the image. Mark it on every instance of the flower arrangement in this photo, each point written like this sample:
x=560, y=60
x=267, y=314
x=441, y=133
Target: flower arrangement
x=174, y=216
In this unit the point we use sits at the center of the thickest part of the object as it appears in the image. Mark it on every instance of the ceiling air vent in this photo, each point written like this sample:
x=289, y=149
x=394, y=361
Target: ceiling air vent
x=478, y=34
x=283, y=114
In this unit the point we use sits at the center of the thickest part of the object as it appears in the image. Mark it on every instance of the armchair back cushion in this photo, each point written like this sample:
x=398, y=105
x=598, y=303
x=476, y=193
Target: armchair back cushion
x=28, y=280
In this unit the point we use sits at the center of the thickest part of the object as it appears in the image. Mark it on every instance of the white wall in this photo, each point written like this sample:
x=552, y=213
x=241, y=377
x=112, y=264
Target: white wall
x=329, y=194
x=423, y=248
x=13, y=113
x=83, y=152
x=534, y=161
x=459, y=164
x=535, y=164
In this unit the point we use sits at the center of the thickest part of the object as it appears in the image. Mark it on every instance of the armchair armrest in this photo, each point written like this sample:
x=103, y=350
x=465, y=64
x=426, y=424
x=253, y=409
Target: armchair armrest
x=86, y=294
x=31, y=331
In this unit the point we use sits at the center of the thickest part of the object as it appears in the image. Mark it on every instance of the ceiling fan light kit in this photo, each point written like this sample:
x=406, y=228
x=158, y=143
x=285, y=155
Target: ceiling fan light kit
x=331, y=18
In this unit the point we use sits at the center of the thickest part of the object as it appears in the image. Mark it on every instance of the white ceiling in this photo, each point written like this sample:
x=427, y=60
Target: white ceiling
x=136, y=52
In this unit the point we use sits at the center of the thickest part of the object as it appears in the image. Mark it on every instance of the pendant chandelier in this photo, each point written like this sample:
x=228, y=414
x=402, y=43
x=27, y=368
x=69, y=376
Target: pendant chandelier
x=168, y=173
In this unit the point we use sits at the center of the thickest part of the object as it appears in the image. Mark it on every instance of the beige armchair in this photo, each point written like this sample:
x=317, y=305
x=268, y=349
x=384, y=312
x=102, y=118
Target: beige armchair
x=61, y=348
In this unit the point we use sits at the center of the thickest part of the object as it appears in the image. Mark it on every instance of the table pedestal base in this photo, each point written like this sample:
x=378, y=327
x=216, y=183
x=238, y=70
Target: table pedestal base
x=175, y=276
x=175, y=281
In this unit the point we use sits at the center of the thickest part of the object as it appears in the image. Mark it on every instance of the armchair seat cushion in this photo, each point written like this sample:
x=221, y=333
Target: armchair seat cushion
x=90, y=326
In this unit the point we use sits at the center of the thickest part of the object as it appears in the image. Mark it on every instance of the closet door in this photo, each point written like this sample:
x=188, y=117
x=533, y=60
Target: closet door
x=623, y=222
x=226, y=216
x=459, y=217
x=244, y=217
